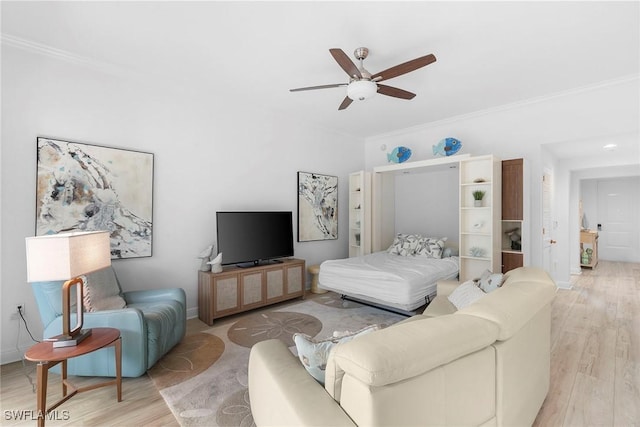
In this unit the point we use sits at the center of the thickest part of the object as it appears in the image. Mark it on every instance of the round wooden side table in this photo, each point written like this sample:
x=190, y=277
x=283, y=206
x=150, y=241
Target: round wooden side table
x=48, y=357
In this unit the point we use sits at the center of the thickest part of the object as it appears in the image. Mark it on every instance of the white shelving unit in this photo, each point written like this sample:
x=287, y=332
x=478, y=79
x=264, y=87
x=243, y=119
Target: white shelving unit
x=480, y=226
x=359, y=213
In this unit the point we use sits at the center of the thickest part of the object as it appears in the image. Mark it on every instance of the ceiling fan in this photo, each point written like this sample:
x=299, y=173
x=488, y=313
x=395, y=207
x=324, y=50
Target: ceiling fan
x=362, y=84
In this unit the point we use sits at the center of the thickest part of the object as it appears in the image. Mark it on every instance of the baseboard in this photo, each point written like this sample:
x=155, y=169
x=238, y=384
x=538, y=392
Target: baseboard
x=192, y=312
x=13, y=355
x=564, y=285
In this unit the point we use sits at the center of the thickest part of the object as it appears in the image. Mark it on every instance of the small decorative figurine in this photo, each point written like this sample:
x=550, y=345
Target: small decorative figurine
x=399, y=155
x=514, y=238
x=447, y=147
x=477, y=252
x=216, y=264
x=205, y=256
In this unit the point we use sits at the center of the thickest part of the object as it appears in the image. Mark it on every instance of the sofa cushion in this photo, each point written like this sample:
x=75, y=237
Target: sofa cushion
x=439, y=307
x=403, y=351
x=465, y=294
x=101, y=291
x=524, y=293
x=314, y=354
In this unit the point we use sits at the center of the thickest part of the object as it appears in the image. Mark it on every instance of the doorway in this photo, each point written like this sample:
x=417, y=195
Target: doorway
x=611, y=206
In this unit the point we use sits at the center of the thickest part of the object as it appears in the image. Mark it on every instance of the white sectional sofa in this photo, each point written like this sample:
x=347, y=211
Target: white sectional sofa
x=484, y=365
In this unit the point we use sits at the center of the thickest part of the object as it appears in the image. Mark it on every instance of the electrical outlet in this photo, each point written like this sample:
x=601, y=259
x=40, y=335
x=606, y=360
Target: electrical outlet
x=16, y=314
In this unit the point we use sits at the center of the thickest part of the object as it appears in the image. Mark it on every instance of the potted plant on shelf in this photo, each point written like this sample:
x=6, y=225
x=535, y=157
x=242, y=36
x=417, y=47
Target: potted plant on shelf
x=477, y=198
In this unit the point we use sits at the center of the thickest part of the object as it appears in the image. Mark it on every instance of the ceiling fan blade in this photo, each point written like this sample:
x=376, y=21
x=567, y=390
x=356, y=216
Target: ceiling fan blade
x=395, y=92
x=345, y=103
x=318, y=87
x=404, y=68
x=347, y=64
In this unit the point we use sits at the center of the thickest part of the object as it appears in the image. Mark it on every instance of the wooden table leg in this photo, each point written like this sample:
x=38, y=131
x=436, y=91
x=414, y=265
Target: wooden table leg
x=42, y=373
x=64, y=378
x=119, y=368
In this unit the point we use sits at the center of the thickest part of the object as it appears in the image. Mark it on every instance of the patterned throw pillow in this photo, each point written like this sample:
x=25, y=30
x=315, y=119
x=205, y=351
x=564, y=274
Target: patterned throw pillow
x=431, y=247
x=465, y=294
x=405, y=244
x=101, y=291
x=314, y=354
x=490, y=281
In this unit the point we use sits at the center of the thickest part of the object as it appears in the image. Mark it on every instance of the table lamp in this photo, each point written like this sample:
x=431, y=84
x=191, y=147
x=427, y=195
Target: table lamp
x=66, y=256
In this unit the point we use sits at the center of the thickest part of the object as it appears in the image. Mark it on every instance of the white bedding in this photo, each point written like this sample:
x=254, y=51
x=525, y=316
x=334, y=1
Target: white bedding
x=397, y=281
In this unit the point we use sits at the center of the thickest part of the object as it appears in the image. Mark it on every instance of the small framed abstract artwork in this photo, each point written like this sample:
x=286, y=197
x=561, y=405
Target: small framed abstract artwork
x=83, y=187
x=317, y=207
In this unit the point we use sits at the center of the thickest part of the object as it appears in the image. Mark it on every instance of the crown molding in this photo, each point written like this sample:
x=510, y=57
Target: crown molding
x=507, y=107
x=63, y=55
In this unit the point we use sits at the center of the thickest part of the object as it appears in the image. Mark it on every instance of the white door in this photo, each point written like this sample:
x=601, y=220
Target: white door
x=548, y=228
x=618, y=219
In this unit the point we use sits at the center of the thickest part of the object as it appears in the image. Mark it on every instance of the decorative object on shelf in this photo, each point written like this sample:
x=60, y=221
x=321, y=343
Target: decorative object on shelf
x=205, y=257
x=317, y=207
x=82, y=187
x=478, y=225
x=216, y=264
x=476, y=251
x=399, y=155
x=447, y=147
x=479, y=180
x=587, y=256
x=478, y=195
x=357, y=236
x=514, y=238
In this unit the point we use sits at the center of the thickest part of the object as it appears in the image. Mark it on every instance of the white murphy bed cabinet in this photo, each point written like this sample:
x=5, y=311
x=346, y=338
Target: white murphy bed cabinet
x=381, y=229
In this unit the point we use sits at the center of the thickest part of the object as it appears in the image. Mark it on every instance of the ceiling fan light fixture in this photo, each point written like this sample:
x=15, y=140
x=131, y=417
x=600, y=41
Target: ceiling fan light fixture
x=359, y=90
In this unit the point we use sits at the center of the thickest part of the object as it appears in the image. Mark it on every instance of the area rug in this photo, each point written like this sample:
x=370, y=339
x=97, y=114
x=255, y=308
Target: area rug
x=204, y=378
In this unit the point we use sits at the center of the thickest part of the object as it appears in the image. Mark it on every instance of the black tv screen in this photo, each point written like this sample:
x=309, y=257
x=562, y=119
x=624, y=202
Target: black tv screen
x=252, y=238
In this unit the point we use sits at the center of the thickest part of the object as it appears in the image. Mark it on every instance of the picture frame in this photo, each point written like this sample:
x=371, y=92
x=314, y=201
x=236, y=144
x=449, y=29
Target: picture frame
x=86, y=187
x=317, y=207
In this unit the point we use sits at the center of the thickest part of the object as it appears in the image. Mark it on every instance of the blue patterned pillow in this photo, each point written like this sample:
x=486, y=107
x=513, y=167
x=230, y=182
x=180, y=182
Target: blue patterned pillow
x=490, y=281
x=314, y=354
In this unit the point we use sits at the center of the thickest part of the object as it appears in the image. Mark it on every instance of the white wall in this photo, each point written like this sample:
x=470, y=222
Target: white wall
x=427, y=203
x=210, y=154
x=519, y=130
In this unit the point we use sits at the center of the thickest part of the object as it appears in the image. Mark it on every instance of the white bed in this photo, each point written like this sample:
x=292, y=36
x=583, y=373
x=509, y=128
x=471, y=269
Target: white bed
x=401, y=282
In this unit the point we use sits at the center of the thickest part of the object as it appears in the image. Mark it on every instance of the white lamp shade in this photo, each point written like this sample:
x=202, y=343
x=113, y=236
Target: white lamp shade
x=361, y=89
x=67, y=255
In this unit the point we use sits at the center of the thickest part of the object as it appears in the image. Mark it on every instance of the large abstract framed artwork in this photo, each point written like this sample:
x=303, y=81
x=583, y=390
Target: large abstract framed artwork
x=83, y=187
x=317, y=207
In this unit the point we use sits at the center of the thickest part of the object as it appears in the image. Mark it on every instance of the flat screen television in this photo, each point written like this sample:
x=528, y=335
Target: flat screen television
x=254, y=238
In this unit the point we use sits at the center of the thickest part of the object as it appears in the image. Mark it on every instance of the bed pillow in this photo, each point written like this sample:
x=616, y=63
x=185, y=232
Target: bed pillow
x=314, y=354
x=431, y=247
x=466, y=294
x=489, y=281
x=405, y=244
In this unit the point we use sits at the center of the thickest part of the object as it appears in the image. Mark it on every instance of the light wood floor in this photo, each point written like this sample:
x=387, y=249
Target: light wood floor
x=595, y=350
x=595, y=366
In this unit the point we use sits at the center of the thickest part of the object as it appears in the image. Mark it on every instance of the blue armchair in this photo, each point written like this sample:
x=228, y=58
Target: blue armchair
x=152, y=323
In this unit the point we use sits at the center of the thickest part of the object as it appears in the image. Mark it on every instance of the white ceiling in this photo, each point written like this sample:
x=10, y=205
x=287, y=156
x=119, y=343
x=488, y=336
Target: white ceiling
x=488, y=53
